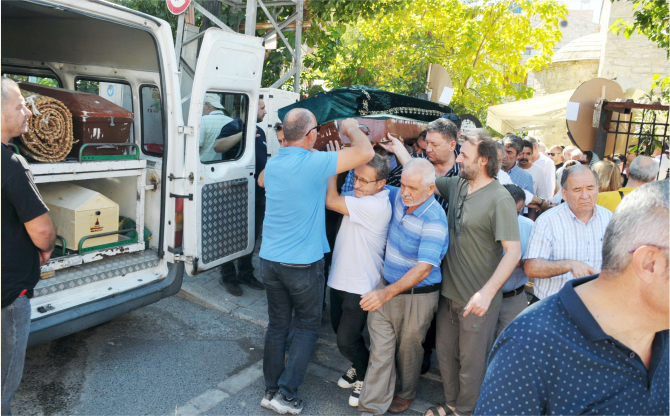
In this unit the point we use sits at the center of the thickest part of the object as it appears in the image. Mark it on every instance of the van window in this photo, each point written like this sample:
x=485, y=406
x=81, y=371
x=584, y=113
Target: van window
x=222, y=128
x=48, y=81
x=118, y=93
x=152, y=120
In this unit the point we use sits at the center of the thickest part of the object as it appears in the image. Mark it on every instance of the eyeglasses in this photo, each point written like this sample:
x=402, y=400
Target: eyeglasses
x=363, y=181
x=317, y=127
x=552, y=154
x=653, y=245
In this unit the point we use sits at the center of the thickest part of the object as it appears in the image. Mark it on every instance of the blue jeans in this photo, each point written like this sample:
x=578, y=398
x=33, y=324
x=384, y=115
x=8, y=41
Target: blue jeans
x=15, y=330
x=291, y=287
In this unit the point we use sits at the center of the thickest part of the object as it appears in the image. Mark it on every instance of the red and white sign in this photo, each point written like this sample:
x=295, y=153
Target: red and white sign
x=178, y=6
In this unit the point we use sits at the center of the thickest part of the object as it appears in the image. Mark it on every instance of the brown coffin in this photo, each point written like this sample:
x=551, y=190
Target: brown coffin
x=94, y=119
x=375, y=128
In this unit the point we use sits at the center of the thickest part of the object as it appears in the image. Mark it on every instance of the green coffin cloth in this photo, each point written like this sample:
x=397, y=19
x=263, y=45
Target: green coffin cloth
x=361, y=101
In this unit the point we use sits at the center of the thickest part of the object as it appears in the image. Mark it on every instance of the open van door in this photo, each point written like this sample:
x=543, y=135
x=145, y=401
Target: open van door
x=219, y=184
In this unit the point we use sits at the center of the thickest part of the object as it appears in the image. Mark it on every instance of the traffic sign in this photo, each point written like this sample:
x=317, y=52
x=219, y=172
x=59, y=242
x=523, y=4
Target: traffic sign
x=178, y=6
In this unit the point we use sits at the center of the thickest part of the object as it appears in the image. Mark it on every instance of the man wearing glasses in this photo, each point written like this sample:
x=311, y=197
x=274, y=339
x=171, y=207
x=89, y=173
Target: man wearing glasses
x=358, y=258
x=294, y=243
x=601, y=344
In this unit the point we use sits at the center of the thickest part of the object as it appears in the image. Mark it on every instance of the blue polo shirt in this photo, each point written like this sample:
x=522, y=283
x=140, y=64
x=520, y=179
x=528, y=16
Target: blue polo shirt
x=419, y=236
x=555, y=359
x=294, y=229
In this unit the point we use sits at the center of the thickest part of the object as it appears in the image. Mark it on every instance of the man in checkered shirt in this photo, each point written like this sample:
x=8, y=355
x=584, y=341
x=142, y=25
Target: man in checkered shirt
x=566, y=242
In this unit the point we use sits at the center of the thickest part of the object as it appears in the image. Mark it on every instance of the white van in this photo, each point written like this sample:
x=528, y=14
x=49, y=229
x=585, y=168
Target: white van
x=88, y=46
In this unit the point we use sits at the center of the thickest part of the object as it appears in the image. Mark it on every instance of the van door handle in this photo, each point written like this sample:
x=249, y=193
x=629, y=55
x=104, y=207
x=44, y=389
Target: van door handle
x=239, y=182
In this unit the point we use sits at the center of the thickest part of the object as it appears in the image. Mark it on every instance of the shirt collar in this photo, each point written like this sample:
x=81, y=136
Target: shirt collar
x=574, y=217
x=292, y=149
x=216, y=112
x=422, y=208
x=579, y=313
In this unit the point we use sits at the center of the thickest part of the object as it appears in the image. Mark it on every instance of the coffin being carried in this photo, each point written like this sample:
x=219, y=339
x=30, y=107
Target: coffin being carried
x=378, y=112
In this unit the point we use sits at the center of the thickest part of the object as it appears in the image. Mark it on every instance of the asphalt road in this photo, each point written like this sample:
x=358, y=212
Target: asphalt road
x=176, y=357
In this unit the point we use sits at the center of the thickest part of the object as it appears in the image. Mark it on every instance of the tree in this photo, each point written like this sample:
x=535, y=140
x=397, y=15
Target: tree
x=480, y=45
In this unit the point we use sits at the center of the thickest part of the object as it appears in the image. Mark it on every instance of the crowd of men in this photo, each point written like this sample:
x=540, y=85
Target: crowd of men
x=449, y=238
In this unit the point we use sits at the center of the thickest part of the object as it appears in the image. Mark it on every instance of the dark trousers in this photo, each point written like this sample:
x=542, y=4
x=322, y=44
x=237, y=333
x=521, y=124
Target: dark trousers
x=348, y=319
x=15, y=331
x=244, y=266
x=291, y=287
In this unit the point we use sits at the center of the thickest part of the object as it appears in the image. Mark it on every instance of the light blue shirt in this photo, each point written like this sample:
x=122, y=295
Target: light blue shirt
x=210, y=127
x=518, y=277
x=294, y=230
x=421, y=236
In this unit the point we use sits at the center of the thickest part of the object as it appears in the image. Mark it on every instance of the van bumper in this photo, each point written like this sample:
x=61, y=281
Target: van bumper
x=76, y=319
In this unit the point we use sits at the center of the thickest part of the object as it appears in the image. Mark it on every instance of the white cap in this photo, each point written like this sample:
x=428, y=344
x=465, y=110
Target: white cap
x=214, y=100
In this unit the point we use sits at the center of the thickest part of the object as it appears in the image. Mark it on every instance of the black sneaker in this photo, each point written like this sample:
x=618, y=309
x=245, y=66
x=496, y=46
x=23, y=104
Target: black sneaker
x=425, y=364
x=353, y=398
x=347, y=380
x=267, y=398
x=283, y=404
x=231, y=284
x=249, y=280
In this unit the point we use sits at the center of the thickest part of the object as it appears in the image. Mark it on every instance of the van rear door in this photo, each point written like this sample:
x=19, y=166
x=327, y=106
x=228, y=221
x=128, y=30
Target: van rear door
x=219, y=184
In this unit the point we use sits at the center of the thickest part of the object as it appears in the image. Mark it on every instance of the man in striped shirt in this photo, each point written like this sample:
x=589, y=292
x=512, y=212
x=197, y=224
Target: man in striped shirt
x=567, y=241
x=403, y=304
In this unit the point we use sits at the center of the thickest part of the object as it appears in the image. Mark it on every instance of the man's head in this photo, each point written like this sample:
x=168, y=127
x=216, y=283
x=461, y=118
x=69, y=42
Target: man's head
x=212, y=103
x=518, y=195
x=576, y=155
x=567, y=152
x=279, y=129
x=579, y=185
x=636, y=245
x=421, y=141
x=299, y=126
x=417, y=182
x=643, y=169
x=542, y=148
x=535, y=147
x=479, y=156
x=556, y=154
x=586, y=157
x=513, y=147
x=526, y=156
x=14, y=111
x=371, y=177
x=441, y=140
x=261, y=109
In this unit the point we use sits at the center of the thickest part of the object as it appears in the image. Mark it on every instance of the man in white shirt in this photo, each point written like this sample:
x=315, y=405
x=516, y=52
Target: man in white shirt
x=539, y=180
x=662, y=158
x=213, y=119
x=358, y=259
x=546, y=164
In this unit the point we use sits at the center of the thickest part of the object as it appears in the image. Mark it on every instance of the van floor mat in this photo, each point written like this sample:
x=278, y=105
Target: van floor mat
x=100, y=270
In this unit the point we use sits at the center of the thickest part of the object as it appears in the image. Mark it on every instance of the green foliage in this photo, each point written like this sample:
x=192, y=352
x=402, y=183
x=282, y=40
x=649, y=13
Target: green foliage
x=50, y=82
x=479, y=44
x=651, y=20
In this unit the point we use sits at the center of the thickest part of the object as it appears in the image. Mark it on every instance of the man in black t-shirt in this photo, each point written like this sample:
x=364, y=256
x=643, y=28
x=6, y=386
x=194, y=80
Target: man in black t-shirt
x=28, y=238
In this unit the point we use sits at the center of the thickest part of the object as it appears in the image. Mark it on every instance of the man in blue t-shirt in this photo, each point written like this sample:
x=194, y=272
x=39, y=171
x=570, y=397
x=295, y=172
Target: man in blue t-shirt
x=294, y=242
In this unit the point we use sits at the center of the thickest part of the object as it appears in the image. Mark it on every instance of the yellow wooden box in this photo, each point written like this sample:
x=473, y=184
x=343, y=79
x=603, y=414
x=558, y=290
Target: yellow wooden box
x=78, y=212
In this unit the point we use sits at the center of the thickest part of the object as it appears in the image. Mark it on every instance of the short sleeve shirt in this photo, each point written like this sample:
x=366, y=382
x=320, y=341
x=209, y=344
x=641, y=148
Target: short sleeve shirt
x=611, y=200
x=478, y=222
x=420, y=236
x=518, y=277
x=294, y=229
x=358, y=256
x=21, y=203
x=210, y=126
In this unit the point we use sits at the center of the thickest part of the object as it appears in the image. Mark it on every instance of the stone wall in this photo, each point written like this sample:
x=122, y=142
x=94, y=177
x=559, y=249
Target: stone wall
x=636, y=58
x=557, y=133
x=577, y=27
x=563, y=76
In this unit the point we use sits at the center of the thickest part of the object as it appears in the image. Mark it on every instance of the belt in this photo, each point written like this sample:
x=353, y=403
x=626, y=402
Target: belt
x=417, y=290
x=514, y=292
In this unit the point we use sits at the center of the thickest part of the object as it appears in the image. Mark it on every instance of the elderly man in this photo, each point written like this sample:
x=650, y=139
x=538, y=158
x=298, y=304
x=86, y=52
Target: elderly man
x=482, y=223
x=230, y=278
x=601, y=345
x=545, y=163
x=525, y=163
x=643, y=169
x=566, y=242
x=213, y=119
x=294, y=242
x=358, y=259
x=403, y=305
x=28, y=238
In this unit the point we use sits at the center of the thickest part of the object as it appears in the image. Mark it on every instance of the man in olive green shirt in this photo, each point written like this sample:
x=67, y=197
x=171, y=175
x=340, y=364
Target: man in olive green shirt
x=482, y=223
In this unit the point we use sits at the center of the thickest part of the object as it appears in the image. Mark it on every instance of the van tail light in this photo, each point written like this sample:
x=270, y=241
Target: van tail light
x=178, y=222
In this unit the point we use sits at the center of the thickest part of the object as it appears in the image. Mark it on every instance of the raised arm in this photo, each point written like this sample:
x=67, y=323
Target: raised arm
x=395, y=146
x=334, y=201
x=360, y=152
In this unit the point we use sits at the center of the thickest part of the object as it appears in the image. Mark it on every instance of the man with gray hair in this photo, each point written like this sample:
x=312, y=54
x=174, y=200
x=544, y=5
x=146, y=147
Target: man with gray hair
x=294, y=242
x=213, y=119
x=643, y=169
x=566, y=242
x=403, y=304
x=358, y=259
x=601, y=344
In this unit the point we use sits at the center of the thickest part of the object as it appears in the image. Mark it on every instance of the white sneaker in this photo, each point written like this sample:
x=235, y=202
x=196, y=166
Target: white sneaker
x=347, y=380
x=283, y=404
x=353, y=399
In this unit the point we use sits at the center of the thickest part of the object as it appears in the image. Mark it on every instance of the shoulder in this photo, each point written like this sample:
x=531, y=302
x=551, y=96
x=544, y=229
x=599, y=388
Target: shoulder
x=538, y=321
x=526, y=222
x=12, y=163
x=446, y=182
x=605, y=213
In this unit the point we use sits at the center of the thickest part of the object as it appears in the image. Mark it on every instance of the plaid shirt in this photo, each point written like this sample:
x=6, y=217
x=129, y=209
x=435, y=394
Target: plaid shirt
x=559, y=235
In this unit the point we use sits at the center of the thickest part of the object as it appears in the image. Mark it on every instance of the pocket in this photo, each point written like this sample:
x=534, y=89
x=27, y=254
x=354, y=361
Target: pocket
x=473, y=323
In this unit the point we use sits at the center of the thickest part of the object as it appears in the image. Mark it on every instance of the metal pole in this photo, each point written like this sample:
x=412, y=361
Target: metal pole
x=250, y=18
x=298, y=46
x=180, y=36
